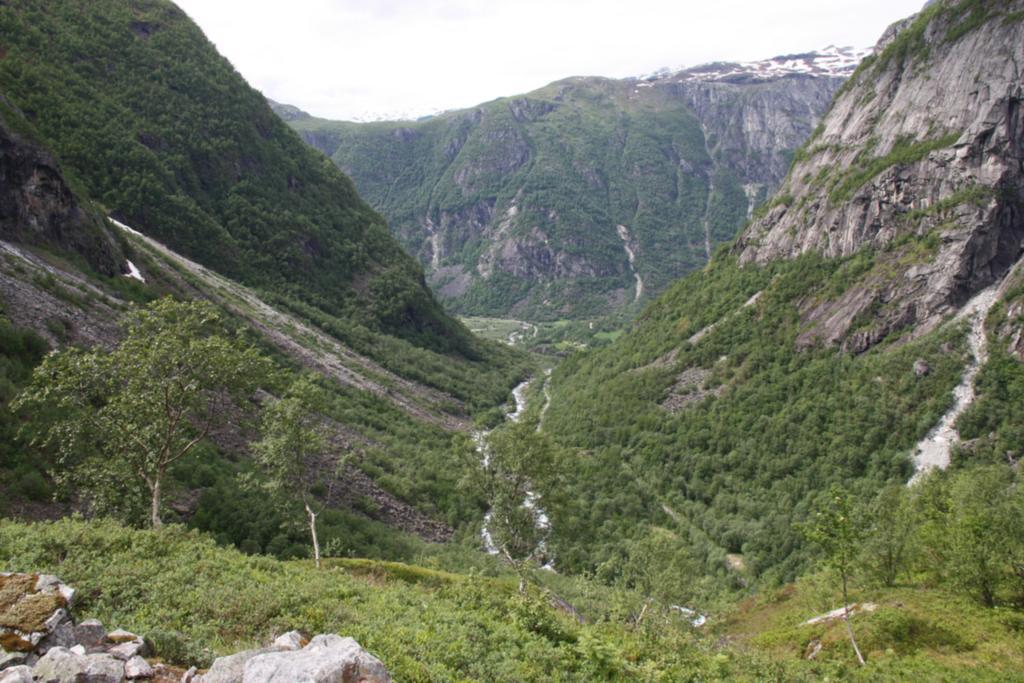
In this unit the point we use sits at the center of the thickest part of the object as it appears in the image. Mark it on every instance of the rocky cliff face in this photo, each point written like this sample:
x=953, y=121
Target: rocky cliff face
x=37, y=206
x=919, y=163
x=518, y=207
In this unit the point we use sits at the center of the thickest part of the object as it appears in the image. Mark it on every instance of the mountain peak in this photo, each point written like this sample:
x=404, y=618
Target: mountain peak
x=832, y=61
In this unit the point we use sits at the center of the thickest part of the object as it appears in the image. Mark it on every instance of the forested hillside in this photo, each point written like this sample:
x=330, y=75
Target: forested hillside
x=167, y=136
x=584, y=197
x=824, y=346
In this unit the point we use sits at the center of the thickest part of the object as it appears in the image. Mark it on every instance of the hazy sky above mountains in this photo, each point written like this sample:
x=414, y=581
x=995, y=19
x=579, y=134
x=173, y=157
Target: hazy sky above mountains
x=361, y=59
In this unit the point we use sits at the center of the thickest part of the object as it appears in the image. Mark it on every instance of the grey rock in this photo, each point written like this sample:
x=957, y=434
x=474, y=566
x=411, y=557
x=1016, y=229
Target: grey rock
x=17, y=674
x=921, y=367
x=326, y=659
x=137, y=667
x=230, y=669
x=190, y=676
x=60, y=665
x=292, y=640
x=12, y=659
x=126, y=651
x=78, y=650
x=61, y=635
x=48, y=583
x=91, y=634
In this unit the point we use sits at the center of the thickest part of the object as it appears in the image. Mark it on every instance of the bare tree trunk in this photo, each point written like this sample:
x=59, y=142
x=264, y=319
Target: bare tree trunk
x=312, y=531
x=849, y=628
x=154, y=513
x=519, y=568
x=642, y=613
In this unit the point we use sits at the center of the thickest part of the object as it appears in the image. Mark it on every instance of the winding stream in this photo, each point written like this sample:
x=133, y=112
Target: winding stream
x=539, y=515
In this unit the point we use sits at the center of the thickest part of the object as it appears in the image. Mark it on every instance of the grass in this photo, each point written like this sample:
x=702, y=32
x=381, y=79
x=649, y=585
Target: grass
x=942, y=635
x=194, y=600
x=494, y=329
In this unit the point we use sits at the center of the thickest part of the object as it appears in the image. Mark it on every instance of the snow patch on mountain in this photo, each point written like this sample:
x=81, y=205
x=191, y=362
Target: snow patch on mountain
x=832, y=61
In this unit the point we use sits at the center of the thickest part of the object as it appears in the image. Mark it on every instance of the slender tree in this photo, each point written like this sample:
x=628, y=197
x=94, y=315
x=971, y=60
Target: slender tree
x=133, y=412
x=836, y=531
x=660, y=566
x=291, y=450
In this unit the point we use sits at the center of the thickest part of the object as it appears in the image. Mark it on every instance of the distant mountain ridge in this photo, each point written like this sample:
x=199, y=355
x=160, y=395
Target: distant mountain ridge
x=587, y=196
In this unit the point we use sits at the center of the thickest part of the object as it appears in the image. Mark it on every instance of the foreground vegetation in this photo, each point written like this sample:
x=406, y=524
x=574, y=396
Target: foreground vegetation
x=912, y=631
x=194, y=599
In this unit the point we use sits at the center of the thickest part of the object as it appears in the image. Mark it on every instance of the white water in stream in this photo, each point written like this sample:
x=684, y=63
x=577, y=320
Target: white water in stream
x=934, y=450
x=540, y=517
x=631, y=257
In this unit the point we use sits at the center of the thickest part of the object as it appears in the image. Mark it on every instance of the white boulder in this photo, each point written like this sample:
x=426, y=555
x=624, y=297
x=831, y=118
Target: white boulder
x=326, y=659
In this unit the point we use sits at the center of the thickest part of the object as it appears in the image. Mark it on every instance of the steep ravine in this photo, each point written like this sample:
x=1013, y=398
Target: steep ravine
x=310, y=346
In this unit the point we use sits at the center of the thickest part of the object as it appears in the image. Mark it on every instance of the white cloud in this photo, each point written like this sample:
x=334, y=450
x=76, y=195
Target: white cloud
x=347, y=59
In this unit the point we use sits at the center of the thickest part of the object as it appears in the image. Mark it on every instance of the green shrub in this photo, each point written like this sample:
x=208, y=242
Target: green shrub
x=175, y=647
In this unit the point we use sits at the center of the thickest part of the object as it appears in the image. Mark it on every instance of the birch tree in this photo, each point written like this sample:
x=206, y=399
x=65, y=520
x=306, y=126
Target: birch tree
x=292, y=445
x=836, y=531
x=129, y=414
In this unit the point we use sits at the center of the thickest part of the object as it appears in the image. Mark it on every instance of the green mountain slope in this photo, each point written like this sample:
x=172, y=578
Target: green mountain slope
x=403, y=377
x=163, y=132
x=583, y=197
x=826, y=345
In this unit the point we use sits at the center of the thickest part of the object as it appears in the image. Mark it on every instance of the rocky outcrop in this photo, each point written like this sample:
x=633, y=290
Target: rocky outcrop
x=38, y=207
x=326, y=659
x=34, y=615
x=58, y=302
x=921, y=159
x=40, y=640
x=42, y=644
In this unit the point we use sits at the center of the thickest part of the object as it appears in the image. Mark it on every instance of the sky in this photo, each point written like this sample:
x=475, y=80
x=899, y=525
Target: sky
x=372, y=59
